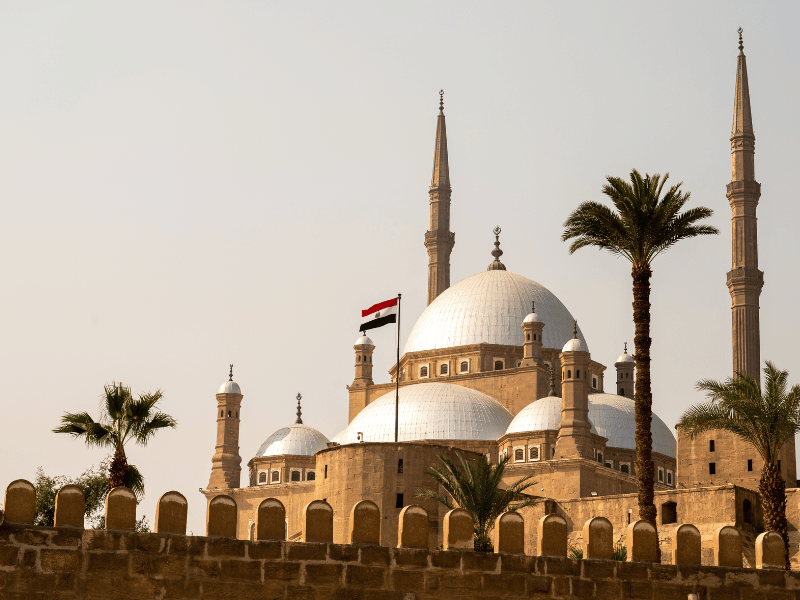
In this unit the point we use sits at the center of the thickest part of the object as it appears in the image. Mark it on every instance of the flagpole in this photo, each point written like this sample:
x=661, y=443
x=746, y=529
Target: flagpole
x=397, y=376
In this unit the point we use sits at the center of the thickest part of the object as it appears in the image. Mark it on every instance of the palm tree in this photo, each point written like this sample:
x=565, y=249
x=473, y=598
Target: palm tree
x=767, y=418
x=476, y=488
x=124, y=418
x=643, y=226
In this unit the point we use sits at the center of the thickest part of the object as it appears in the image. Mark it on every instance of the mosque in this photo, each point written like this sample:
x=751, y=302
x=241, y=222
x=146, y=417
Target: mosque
x=497, y=365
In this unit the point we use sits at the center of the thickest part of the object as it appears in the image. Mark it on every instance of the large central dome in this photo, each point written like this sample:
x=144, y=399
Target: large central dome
x=489, y=307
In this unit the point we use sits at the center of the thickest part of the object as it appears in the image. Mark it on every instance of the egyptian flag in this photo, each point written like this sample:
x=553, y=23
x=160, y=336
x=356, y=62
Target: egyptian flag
x=379, y=315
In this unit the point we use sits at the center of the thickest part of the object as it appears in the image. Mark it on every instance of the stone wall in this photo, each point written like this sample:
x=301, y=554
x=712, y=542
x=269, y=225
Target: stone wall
x=70, y=563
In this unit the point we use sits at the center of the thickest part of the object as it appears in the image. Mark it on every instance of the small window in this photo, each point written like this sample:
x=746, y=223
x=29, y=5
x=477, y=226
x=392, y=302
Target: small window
x=711, y=445
x=569, y=373
x=534, y=337
x=533, y=453
x=747, y=512
x=578, y=374
x=262, y=477
x=519, y=455
x=660, y=475
x=221, y=413
x=498, y=365
x=600, y=457
x=712, y=468
x=528, y=337
x=399, y=501
x=608, y=465
x=276, y=476
x=749, y=464
x=423, y=371
x=358, y=358
x=443, y=369
x=779, y=465
x=229, y=413
x=464, y=367
x=237, y=414
x=310, y=476
x=594, y=382
x=326, y=472
x=400, y=466
x=669, y=477
x=295, y=476
x=669, y=513
x=624, y=469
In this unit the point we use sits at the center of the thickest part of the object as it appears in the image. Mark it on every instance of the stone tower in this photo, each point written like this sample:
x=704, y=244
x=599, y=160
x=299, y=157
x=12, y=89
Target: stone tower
x=364, y=349
x=439, y=240
x=626, y=380
x=744, y=279
x=532, y=327
x=226, y=464
x=574, y=431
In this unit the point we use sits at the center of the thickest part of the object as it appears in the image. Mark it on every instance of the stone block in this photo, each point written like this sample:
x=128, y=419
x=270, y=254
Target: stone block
x=171, y=512
x=20, y=502
x=552, y=536
x=362, y=576
x=365, y=523
x=641, y=541
x=687, y=545
x=598, y=538
x=509, y=533
x=120, y=509
x=412, y=529
x=459, y=530
x=343, y=552
x=269, y=550
x=375, y=556
x=727, y=547
x=271, y=520
x=221, y=517
x=69, y=507
x=318, y=522
x=770, y=551
x=321, y=574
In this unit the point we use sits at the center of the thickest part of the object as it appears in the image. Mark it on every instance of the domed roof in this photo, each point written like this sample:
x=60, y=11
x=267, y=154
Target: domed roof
x=296, y=440
x=430, y=411
x=489, y=307
x=575, y=345
x=611, y=416
x=229, y=387
x=532, y=318
x=363, y=341
x=625, y=358
x=542, y=415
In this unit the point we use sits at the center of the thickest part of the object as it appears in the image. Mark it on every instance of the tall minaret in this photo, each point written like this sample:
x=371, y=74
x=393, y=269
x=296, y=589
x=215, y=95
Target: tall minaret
x=744, y=279
x=439, y=240
x=226, y=462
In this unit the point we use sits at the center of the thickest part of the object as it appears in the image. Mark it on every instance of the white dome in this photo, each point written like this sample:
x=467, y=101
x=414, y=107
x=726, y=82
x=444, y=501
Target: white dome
x=625, y=358
x=532, y=318
x=575, y=345
x=542, y=415
x=489, y=307
x=229, y=387
x=430, y=411
x=363, y=341
x=296, y=440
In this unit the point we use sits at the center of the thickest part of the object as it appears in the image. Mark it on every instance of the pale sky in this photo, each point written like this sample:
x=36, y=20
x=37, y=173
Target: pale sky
x=186, y=185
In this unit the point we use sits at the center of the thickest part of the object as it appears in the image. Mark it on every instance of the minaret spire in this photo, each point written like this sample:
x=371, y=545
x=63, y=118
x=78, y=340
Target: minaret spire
x=744, y=279
x=299, y=410
x=439, y=239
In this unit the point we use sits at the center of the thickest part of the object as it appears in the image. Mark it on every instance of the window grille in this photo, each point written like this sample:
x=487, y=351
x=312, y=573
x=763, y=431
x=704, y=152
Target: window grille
x=276, y=477
x=519, y=455
x=533, y=453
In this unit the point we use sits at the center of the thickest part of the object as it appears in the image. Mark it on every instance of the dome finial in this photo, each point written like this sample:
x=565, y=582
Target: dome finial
x=741, y=43
x=533, y=306
x=230, y=375
x=441, y=100
x=575, y=330
x=497, y=253
x=625, y=351
x=299, y=410
x=552, y=383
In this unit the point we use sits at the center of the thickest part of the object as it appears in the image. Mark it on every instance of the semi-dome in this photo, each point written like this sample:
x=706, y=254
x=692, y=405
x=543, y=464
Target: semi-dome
x=429, y=411
x=542, y=415
x=296, y=440
x=229, y=387
x=490, y=307
x=363, y=341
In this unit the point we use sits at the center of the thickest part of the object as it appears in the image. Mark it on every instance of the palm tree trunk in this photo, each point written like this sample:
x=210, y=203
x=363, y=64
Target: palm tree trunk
x=118, y=468
x=772, y=488
x=644, y=398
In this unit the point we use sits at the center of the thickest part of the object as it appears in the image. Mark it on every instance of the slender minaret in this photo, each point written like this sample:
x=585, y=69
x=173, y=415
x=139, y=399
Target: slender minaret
x=574, y=431
x=744, y=279
x=226, y=462
x=439, y=240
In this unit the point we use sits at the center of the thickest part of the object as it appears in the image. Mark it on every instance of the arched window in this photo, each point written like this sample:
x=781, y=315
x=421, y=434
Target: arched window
x=625, y=469
x=533, y=453
x=528, y=337
x=621, y=391
x=276, y=476
x=669, y=513
x=295, y=476
x=423, y=371
x=262, y=477
x=600, y=457
x=534, y=337
x=594, y=382
x=747, y=512
x=464, y=367
x=365, y=358
x=358, y=358
x=443, y=369
x=310, y=476
x=569, y=373
x=627, y=375
x=578, y=374
x=229, y=413
x=519, y=455
x=498, y=365
x=221, y=413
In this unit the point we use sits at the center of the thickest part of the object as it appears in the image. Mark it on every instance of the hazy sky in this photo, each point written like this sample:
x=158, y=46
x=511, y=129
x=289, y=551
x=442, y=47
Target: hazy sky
x=186, y=185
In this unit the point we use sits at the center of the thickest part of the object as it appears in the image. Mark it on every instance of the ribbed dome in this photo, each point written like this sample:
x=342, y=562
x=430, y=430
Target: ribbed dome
x=542, y=415
x=430, y=411
x=363, y=341
x=229, y=387
x=296, y=440
x=490, y=307
x=532, y=318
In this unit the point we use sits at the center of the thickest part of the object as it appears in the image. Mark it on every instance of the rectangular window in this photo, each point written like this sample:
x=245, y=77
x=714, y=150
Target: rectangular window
x=608, y=465
x=749, y=464
x=400, y=466
x=519, y=454
x=399, y=502
x=711, y=446
x=712, y=468
x=533, y=453
x=594, y=382
x=326, y=472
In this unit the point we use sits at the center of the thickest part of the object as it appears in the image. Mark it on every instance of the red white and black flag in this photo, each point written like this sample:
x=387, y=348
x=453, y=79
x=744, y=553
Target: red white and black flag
x=379, y=315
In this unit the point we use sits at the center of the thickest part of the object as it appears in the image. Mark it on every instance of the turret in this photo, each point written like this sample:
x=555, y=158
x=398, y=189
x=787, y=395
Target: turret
x=574, y=437
x=626, y=382
x=532, y=327
x=364, y=348
x=226, y=463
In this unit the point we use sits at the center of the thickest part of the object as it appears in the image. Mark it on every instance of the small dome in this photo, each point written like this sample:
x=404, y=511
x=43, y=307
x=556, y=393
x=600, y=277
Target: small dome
x=532, y=318
x=295, y=440
x=229, y=387
x=363, y=341
x=542, y=415
x=430, y=411
x=575, y=345
x=625, y=358
x=615, y=418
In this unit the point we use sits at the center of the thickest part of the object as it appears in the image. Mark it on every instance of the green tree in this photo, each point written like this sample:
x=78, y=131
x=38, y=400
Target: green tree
x=642, y=225
x=476, y=487
x=94, y=483
x=124, y=418
x=766, y=418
